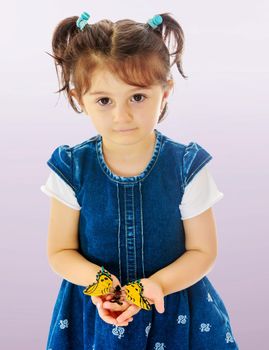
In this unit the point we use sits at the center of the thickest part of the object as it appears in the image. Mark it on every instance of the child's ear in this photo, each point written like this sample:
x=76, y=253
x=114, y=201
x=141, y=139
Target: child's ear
x=166, y=93
x=169, y=87
x=75, y=96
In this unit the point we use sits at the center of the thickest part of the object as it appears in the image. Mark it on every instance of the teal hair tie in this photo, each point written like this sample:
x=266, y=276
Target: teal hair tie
x=155, y=21
x=82, y=20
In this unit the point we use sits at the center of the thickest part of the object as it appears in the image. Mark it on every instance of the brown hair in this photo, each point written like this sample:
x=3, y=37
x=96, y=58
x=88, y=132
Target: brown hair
x=134, y=51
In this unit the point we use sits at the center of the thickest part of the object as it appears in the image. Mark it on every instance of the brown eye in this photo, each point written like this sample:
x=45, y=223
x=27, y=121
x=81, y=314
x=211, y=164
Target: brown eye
x=139, y=99
x=103, y=99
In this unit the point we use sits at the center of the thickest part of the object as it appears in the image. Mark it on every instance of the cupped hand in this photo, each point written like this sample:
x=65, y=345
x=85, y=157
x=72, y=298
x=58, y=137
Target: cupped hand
x=153, y=292
x=109, y=311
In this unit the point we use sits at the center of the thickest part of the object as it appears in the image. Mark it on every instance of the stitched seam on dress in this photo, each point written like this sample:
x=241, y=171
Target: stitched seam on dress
x=126, y=247
x=139, y=180
x=119, y=253
x=134, y=231
x=142, y=232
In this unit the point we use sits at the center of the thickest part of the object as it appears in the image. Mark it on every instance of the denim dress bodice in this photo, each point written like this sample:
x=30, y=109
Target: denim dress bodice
x=132, y=226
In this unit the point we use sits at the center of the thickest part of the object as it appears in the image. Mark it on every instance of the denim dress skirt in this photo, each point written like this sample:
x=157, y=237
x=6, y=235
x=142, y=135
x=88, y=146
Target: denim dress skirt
x=132, y=226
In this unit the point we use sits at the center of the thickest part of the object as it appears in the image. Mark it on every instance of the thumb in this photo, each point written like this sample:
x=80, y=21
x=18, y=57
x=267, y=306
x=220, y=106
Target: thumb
x=159, y=305
x=97, y=301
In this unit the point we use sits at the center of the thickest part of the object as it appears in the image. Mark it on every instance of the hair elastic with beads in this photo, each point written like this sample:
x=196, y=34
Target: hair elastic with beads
x=82, y=20
x=155, y=21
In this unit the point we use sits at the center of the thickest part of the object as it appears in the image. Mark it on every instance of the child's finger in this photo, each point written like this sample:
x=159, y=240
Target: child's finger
x=104, y=314
x=96, y=300
x=159, y=305
x=111, y=317
x=115, y=307
x=132, y=310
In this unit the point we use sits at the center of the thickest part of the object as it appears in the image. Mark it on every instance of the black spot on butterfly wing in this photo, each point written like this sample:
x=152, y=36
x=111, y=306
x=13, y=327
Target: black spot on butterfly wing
x=145, y=302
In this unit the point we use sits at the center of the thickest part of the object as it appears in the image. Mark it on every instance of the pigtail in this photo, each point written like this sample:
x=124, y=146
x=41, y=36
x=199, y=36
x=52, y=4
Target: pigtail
x=65, y=32
x=170, y=30
x=62, y=35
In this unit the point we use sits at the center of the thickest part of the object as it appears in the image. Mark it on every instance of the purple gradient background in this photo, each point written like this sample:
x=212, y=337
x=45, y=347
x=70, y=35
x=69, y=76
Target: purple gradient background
x=222, y=106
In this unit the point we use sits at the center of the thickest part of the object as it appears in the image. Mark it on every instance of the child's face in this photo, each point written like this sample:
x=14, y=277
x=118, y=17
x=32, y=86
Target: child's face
x=120, y=106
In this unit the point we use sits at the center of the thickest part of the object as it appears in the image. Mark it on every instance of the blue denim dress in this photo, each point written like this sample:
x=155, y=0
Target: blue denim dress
x=132, y=226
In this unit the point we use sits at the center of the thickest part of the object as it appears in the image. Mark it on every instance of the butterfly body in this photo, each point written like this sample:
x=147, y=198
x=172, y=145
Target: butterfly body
x=104, y=285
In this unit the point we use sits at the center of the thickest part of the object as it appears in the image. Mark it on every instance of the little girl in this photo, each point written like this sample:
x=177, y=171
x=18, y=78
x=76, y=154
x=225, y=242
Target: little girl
x=131, y=227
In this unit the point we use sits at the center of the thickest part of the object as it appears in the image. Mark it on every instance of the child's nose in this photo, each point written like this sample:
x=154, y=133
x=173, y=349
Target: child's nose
x=122, y=114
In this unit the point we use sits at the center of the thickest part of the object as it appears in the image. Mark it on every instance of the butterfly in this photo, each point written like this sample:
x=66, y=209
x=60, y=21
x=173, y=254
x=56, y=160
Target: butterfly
x=132, y=290
x=103, y=286
x=134, y=293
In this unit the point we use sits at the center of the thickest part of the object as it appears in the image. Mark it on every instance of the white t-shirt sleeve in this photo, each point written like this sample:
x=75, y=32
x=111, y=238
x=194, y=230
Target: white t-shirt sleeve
x=199, y=195
x=59, y=189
